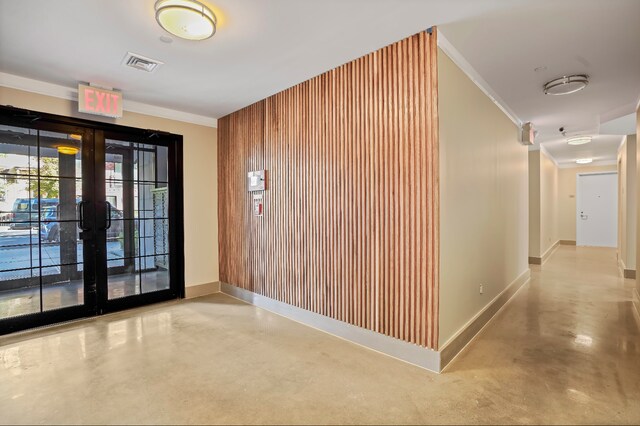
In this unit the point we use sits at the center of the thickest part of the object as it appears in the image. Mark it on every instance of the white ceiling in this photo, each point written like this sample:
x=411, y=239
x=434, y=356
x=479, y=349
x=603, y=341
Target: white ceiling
x=264, y=46
x=261, y=47
x=602, y=149
x=625, y=125
x=600, y=38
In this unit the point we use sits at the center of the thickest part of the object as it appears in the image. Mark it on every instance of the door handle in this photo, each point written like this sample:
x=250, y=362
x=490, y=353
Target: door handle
x=81, y=224
x=107, y=220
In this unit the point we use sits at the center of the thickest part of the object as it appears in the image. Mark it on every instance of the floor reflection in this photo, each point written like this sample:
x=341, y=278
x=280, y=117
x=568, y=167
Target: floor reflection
x=23, y=301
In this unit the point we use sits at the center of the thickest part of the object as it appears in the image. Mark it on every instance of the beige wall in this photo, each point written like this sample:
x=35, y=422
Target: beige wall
x=567, y=198
x=534, y=203
x=637, y=295
x=543, y=203
x=200, y=176
x=627, y=203
x=484, y=200
x=548, y=203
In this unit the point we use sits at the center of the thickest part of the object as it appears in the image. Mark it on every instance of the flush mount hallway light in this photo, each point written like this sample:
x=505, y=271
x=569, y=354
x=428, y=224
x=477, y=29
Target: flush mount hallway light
x=566, y=84
x=188, y=19
x=584, y=160
x=578, y=140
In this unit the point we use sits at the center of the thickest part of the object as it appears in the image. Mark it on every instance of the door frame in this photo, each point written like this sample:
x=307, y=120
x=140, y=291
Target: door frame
x=93, y=291
x=612, y=172
x=176, y=220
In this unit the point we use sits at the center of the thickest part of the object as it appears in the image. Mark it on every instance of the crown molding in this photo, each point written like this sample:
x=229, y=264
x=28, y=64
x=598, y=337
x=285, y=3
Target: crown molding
x=473, y=75
x=548, y=154
x=63, y=92
x=621, y=144
x=543, y=149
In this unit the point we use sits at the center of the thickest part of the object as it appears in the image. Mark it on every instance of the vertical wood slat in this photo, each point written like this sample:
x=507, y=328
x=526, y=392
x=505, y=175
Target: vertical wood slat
x=351, y=215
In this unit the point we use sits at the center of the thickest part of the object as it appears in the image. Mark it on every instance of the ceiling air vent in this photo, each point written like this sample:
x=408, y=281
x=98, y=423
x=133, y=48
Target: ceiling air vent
x=140, y=62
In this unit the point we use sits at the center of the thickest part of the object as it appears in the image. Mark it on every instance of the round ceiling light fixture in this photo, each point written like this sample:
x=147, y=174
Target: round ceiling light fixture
x=188, y=19
x=566, y=84
x=68, y=149
x=584, y=160
x=578, y=140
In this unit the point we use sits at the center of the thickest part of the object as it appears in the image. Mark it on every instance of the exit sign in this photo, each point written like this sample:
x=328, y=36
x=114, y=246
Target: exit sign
x=93, y=100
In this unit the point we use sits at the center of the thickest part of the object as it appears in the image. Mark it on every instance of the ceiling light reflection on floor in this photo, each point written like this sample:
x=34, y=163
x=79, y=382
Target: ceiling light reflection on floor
x=584, y=340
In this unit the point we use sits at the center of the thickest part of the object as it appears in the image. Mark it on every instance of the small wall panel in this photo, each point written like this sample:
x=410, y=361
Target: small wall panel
x=350, y=224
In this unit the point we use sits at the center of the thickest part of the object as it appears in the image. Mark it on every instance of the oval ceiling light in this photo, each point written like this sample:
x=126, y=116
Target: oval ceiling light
x=584, y=160
x=188, y=19
x=566, y=84
x=578, y=140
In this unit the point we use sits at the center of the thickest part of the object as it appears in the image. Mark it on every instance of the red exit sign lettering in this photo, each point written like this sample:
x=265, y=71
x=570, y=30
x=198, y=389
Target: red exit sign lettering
x=93, y=100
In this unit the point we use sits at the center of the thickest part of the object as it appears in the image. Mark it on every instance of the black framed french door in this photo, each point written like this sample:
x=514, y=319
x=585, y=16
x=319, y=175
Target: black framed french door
x=90, y=218
x=137, y=183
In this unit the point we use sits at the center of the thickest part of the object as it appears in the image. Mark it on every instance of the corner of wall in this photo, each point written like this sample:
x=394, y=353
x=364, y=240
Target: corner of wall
x=637, y=159
x=534, y=204
x=631, y=178
x=476, y=159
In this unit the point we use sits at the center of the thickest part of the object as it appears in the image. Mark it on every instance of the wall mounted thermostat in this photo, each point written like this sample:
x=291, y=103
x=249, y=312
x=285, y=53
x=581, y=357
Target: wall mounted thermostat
x=256, y=180
x=258, y=205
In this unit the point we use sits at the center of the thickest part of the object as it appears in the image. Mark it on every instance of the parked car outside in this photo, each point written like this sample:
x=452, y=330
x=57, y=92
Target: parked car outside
x=24, y=214
x=50, y=225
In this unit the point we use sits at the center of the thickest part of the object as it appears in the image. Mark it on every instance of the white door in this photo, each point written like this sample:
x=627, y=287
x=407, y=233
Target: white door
x=597, y=210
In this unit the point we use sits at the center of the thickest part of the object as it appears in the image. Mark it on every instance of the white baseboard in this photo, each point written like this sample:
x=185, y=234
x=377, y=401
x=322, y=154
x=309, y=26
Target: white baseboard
x=455, y=345
x=429, y=359
x=201, y=290
x=404, y=351
x=627, y=273
x=534, y=260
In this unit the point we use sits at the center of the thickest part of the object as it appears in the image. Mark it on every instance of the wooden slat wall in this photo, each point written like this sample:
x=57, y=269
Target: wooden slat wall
x=350, y=225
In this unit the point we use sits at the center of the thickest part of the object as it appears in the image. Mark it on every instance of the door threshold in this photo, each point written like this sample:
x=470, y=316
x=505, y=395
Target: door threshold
x=55, y=328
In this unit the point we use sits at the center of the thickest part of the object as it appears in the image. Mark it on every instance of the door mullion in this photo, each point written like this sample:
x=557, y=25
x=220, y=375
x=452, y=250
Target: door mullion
x=88, y=237
x=100, y=254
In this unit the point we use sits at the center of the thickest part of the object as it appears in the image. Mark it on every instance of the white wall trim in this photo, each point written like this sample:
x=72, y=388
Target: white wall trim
x=605, y=172
x=201, y=289
x=622, y=142
x=594, y=163
x=473, y=75
x=58, y=91
x=548, y=154
x=404, y=351
x=547, y=254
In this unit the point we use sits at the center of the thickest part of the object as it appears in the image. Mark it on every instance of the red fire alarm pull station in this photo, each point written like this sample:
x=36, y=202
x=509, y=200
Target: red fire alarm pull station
x=258, y=208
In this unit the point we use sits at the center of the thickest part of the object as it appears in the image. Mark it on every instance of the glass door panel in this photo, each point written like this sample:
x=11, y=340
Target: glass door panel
x=137, y=234
x=41, y=254
x=90, y=218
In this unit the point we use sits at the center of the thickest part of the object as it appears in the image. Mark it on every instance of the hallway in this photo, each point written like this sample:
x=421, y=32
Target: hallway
x=566, y=349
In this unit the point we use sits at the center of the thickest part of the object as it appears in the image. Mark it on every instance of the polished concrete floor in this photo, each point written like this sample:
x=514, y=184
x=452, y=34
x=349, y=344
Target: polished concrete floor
x=565, y=350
